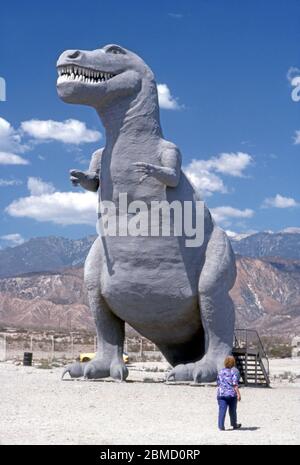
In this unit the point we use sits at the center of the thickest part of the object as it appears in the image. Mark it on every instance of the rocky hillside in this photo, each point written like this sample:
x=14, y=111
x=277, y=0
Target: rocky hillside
x=45, y=301
x=266, y=297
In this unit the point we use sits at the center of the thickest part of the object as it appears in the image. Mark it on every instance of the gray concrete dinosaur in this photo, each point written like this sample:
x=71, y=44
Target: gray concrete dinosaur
x=174, y=295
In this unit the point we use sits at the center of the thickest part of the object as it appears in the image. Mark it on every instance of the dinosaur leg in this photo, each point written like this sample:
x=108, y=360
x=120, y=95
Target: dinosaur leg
x=217, y=311
x=110, y=336
x=110, y=329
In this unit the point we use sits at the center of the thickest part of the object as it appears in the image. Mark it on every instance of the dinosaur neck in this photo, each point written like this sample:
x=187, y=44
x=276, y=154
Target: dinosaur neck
x=135, y=116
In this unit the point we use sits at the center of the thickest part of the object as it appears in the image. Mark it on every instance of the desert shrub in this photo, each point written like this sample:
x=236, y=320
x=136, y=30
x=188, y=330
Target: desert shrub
x=280, y=351
x=45, y=364
x=277, y=347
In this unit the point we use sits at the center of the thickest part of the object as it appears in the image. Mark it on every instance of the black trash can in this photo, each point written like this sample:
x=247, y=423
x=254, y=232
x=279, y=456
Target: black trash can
x=27, y=360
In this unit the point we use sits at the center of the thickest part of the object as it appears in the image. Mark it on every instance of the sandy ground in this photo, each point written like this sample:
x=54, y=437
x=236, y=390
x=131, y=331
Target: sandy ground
x=36, y=407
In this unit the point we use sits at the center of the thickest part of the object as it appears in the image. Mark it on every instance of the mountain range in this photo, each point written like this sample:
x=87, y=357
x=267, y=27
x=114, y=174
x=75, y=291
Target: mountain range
x=53, y=253
x=44, y=254
x=41, y=283
x=265, y=244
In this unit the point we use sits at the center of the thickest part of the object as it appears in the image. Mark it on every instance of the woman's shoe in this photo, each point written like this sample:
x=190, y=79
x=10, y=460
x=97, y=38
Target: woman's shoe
x=237, y=426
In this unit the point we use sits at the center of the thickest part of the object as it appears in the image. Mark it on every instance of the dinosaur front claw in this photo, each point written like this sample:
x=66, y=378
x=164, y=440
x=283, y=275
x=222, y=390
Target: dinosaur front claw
x=75, y=370
x=118, y=370
x=205, y=371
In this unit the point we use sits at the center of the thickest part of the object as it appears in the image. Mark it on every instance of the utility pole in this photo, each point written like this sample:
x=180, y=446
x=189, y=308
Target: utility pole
x=52, y=347
x=141, y=348
x=72, y=345
x=3, y=352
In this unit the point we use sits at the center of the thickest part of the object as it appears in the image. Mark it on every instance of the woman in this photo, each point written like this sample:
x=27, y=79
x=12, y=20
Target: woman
x=228, y=393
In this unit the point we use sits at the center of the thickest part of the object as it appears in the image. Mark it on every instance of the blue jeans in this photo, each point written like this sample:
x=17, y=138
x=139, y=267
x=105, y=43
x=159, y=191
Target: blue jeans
x=225, y=402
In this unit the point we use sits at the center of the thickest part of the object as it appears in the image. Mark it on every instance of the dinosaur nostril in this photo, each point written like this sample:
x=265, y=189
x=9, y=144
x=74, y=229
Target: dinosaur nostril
x=74, y=54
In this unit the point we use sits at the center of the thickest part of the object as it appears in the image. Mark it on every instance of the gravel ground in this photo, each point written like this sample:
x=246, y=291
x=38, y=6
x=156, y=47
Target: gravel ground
x=38, y=408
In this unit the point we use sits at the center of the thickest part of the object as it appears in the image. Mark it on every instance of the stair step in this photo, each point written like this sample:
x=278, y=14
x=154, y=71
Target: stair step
x=242, y=352
x=249, y=367
x=258, y=382
x=253, y=364
x=255, y=380
x=252, y=372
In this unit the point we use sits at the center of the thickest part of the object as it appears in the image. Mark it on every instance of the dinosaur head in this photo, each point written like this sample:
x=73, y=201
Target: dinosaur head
x=99, y=77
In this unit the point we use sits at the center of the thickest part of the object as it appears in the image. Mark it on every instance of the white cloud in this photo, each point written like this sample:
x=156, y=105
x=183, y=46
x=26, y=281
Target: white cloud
x=202, y=174
x=225, y=213
x=205, y=182
x=279, y=201
x=10, y=140
x=70, y=131
x=297, y=138
x=38, y=187
x=291, y=230
x=13, y=239
x=239, y=236
x=232, y=164
x=43, y=204
x=10, y=145
x=9, y=182
x=231, y=234
x=165, y=99
x=7, y=158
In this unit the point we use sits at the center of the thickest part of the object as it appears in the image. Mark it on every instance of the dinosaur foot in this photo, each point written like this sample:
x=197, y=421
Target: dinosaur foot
x=101, y=368
x=204, y=371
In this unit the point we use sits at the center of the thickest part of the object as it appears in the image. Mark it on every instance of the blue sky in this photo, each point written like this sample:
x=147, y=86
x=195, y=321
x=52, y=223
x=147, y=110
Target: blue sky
x=222, y=66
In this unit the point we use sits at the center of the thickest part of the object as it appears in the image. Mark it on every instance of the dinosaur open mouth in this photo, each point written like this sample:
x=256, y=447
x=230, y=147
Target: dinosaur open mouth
x=77, y=73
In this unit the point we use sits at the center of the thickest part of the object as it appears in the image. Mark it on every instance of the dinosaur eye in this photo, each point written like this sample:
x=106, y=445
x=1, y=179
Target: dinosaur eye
x=115, y=51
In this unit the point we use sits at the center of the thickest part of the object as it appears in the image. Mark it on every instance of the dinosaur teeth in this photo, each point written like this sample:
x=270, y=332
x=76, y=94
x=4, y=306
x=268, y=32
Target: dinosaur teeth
x=76, y=73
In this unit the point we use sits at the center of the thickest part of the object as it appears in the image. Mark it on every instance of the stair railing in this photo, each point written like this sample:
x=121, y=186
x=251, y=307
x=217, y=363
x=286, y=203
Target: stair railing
x=249, y=339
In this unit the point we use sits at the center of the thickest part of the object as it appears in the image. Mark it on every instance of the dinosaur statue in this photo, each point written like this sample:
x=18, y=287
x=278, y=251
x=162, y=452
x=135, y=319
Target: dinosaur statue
x=174, y=295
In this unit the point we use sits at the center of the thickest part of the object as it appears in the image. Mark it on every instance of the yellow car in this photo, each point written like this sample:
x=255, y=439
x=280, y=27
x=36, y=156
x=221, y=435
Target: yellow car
x=87, y=356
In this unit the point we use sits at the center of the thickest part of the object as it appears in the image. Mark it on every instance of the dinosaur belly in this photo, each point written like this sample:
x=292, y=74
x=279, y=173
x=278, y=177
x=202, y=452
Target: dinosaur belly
x=146, y=283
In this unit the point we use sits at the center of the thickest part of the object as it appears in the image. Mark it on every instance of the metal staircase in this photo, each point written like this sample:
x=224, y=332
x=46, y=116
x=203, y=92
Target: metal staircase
x=251, y=358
